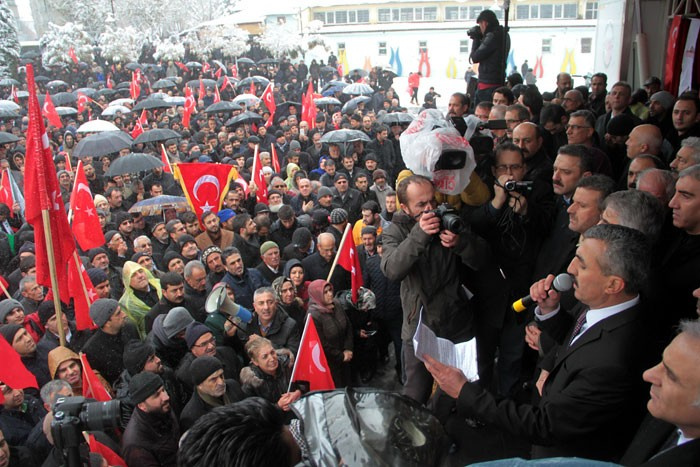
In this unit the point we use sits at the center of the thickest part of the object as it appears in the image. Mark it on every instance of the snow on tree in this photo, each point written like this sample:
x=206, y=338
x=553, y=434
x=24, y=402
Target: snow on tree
x=58, y=40
x=281, y=39
x=121, y=44
x=169, y=49
x=312, y=37
x=231, y=41
x=9, y=43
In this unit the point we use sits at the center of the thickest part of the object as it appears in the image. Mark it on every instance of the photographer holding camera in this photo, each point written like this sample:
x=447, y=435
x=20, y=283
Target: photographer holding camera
x=423, y=248
x=490, y=45
x=513, y=222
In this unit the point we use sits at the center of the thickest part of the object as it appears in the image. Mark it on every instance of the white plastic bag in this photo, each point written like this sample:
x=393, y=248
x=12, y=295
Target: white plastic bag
x=425, y=140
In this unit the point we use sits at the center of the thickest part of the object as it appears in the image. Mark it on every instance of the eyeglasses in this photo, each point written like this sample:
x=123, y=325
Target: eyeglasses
x=510, y=122
x=576, y=127
x=206, y=343
x=509, y=168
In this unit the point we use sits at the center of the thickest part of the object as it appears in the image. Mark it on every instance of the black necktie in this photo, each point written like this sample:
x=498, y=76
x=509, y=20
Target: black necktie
x=579, y=325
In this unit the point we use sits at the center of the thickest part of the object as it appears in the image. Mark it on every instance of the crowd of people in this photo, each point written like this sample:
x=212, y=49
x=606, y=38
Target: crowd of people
x=601, y=184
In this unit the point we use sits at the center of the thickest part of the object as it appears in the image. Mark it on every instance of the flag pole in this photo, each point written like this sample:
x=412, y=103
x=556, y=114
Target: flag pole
x=296, y=360
x=335, y=260
x=52, y=272
x=82, y=279
x=4, y=290
x=83, y=373
x=252, y=173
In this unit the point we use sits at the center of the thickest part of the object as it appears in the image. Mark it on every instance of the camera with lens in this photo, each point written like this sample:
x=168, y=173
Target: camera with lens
x=520, y=187
x=72, y=416
x=449, y=219
x=474, y=32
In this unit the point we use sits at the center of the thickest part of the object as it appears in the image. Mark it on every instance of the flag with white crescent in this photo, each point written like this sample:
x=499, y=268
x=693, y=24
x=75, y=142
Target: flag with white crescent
x=311, y=364
x=86, y=224
x=349, y=260
x=205, y=185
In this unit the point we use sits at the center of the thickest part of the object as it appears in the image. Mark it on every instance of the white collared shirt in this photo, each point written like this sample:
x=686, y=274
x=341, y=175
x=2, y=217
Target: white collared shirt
x=595, y=316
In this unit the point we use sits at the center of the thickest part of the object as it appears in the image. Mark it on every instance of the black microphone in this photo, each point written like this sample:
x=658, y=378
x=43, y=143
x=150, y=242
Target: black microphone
x=561, y=283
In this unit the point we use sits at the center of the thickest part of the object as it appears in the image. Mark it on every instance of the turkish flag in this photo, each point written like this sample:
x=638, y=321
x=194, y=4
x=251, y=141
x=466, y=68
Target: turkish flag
x=234, y=71
x=12, y=371
x=113, y=459
x=217, y=96
x=83, y=101
x=13, y=94
x=205, y=185
x=275, y=160
x=202, y=91
x=206, y=68
x=308, y=106
x=134, y=87
x=258, y=177
x=182, y=66
x=143, y=118
x=82, y=292
x=311, y=364
x=86, y=224
x=218, y=73
x=138, y=130
x=45, y=195
x=50, y=113
x=92, y=387
x=110, y=83
x=189, y=107
x=71, y=54
x=348, y=260
x=252, y=87
x=269, y=98
x=165, y=160
x=6, y=191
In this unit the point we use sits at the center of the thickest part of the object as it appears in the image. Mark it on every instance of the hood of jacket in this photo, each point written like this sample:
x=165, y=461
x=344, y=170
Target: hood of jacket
x=58, y=356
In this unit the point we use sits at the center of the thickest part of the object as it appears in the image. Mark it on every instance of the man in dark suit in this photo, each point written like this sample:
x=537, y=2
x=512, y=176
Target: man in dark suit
x=592, y=394
x=670, y=435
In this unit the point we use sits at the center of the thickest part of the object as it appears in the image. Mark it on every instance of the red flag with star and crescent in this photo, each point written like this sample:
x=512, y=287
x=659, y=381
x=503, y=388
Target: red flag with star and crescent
x=258, y=176
x=205, y=185
x=268, y=98
x=83, y=293
x=113, y=459
x=92, y=386
x=45, y=195
x=6, y=196
x=350, y=261
x=72, y=55
x=83, y=101
x=134, y=86
x=311, y=364
x=13, y=373
x=190, y=106
x=49, y=111
x=86, y=224
x=13, y=94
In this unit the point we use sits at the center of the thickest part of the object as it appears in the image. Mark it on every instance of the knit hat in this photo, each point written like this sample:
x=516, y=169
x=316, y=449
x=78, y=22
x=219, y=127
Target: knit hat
x=620, y=125
x=664, y=98
x=369, y=229
x=100, y=199
x=45, y=311
x=379, y=173
x=8, y=331
x=324, y=191
x=143, y=385
x=320, y=218
x=370, y=157
x=169, y=256
x=338, y=216
x=226, y=214
x=176, y=321
x=261, y=207
x=193, y=332
x=203, y=367
x=97, y=276
x=137, y=256
x=294, y=144
x=183, y=240
x=301, y=236
x=27, y=247
x=340, y=176
x=156, y=224
x=93, y=252
x=208, y=251
x=102, y=310
x=109, y=235
x=120, y=217
x=265, y=247
x=6, y=306
x=136, y=354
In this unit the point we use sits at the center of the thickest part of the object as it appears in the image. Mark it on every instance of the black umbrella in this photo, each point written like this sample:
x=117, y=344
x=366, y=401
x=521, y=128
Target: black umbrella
x=231, y=80
x=149, y=104
x=63, y=98
x=100, y=144
x=351, y=105
x=344, y=136
x=124, y=85
x=9, y=82
x=163, y=84
x=152, y=136
x=246, y=60
x=133, y=163
x=223, y=106
x=6, y=138
x=357, y=89
x=193, y=65
x=283, y=108
x=328, y=69
x=209, y=83
x=6, y=114
x=244, y=117
x=87, y=91
x=106, y=92
x=155, y=206
x=132, y=66
x=268, y=61
x=152, y=66
x=397, y=118
x=253, y=79
x=57, y=83
x=327, y=101
x=334, y=83
x=65, y=111
x=31, y=54
x=357, y=71
x=42, y=79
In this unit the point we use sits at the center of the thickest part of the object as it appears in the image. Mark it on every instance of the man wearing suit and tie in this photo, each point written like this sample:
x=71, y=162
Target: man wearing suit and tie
x=592, y=395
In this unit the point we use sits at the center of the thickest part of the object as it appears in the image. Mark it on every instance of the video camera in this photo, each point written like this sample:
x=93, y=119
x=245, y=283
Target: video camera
x=474, y=32
x=481, y=141
x=72, y=416
x=520, y=187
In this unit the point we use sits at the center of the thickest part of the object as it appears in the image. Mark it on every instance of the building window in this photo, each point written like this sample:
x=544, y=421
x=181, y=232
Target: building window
x=330, y=17
x=341, y=46
x=451, y=13
x=384, y=15
x=406, y=14
x=464, y=47
x=382, y=48
x=546, y=46
x=320, y=17
x=430, y=13
x=474, y=12
x=546, y=11
x=586, y=45
x=522, y=12
x=341, y=17
x=422, y=46
x=363, y=16
x=570, y=10
x=591, y=10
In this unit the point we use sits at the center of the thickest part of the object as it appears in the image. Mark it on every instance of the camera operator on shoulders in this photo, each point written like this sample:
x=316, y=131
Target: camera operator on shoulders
x=513, y=222
x=488, y=50
x=423, y=248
